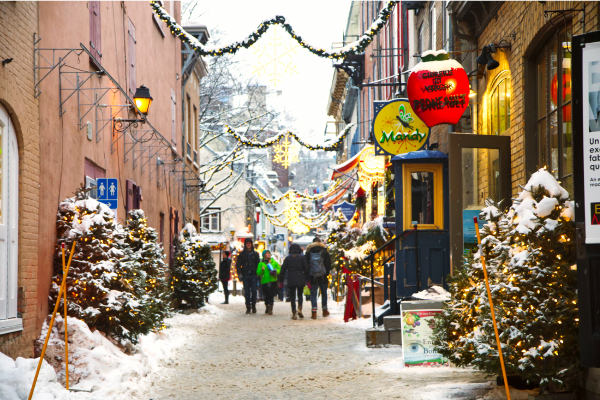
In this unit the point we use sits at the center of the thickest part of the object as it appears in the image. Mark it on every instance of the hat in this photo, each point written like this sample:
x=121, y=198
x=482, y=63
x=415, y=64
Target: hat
x=265, y=252
x=247, y=240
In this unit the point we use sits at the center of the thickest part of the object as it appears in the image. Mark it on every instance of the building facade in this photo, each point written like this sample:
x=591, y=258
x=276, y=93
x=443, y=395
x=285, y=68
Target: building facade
x=20, y=184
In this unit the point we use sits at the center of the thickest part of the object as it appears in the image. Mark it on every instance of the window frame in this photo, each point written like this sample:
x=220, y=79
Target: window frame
x=438, y=203
x=503, y=76
x=212, y=213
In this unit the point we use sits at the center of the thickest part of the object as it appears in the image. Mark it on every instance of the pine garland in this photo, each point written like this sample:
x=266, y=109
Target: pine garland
x=353, y=48
x=275, y=139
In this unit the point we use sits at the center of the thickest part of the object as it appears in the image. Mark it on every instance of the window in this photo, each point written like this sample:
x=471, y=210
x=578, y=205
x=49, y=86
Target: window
x=92, y=173
x=422, y=203
x=195, y=133
x=554, y=107
x=131, y=42
x=447, y=27
x=9, y=226
x=432, y=27
x=133, y=198
x=188, y=124
x=161, y=228
x=95, y=30
x=421, y=43
x=500, y=105
x=212, y=221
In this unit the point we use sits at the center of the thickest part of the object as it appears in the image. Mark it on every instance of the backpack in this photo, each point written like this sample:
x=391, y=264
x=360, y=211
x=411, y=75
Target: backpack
x=317, y=267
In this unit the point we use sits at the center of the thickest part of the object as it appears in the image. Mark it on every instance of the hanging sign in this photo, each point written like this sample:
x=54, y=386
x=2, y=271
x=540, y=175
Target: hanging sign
x=108, y=192
x=346, y=208
x=438, y=89
x=397, y=129
x=371, y=168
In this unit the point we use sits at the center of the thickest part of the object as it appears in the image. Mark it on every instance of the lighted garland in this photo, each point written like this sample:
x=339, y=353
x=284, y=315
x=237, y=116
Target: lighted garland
x=286, y=224
x=335, y=185
x=353, y=48
x=272, y=141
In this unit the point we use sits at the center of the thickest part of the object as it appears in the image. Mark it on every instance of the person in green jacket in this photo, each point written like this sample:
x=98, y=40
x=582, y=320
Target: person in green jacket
x=268, y=269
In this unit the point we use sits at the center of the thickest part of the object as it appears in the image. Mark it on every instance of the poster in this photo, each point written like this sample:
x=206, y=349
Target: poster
x=591, y=140
x=417, y=335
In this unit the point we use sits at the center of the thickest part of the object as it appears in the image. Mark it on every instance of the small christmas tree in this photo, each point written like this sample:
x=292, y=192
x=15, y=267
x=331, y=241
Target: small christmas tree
x=143, y=271
x=340, y=239
x=194, y=272
x=96, y=292
x=534, y=290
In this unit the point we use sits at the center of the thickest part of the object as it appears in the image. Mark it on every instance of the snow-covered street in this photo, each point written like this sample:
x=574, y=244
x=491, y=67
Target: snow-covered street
x=236, y=356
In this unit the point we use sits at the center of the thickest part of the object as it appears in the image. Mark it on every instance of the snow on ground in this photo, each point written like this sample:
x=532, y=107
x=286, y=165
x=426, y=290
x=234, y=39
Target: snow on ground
x=433, y=293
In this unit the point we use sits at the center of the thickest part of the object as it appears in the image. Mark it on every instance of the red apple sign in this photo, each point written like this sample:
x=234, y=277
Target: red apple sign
x=438, y=89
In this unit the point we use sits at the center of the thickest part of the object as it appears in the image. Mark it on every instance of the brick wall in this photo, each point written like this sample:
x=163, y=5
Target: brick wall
x=18, y=22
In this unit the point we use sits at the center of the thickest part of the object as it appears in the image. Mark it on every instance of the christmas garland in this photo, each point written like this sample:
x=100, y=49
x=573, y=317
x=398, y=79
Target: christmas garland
x=356, y=47
x=279, y=223
x=270, y=142
x=297, y=194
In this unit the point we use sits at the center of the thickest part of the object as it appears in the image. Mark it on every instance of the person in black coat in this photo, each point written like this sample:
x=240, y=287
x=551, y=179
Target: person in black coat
x=225, y=275
x=317, y=256
x=296, y=268
x=247, y=263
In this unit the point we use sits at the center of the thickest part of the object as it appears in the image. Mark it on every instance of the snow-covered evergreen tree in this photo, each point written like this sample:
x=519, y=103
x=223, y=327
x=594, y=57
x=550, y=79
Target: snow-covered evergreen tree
x=534, y=290
x=194, y=273
x=340, y=239
x=96, y=292
x=143, y=270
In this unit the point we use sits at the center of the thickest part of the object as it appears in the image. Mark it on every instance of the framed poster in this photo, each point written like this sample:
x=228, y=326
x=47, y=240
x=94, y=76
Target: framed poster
x=417, y=335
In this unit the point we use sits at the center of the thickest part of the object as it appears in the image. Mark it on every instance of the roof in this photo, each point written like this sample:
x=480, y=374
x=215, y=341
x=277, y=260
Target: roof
x=420, y=155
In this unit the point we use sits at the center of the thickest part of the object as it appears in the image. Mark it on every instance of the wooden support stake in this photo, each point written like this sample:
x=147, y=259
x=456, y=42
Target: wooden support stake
x=60, y=294
x=489, y=292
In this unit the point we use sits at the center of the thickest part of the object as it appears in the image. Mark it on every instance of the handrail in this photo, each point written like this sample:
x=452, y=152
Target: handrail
x=402, y=236
x=364, y=278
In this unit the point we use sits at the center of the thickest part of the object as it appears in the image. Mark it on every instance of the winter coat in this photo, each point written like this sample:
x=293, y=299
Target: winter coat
x=225, y=270
x=263, y=271
x=296, y=267
x=247, y=262
x=317, y=247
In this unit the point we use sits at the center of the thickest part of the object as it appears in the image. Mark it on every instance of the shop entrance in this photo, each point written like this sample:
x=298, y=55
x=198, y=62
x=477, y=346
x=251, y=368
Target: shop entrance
x=422, y=247
x=479, y=169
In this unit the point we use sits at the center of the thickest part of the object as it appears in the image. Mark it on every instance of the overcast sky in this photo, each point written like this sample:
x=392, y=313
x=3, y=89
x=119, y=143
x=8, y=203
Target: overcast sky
x=304, y=92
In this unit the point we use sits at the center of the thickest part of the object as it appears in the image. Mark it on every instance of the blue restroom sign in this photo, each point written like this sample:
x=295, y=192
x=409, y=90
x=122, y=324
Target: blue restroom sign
x=108, y=192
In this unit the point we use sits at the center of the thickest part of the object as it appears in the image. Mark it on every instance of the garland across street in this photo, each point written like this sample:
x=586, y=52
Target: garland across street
x=353, y=48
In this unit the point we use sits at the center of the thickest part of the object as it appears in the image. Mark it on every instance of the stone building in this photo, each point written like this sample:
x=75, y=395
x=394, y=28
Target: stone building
x=20, y=183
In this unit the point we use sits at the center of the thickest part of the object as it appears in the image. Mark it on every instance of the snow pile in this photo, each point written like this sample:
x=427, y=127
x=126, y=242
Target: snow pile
x=16, y=377
x=499, y=393
x=433, y=293
x=437, y=66
x=360, y=252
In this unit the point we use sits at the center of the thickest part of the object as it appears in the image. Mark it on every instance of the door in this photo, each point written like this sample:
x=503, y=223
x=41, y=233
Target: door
x=479, y=169
x=9, y=186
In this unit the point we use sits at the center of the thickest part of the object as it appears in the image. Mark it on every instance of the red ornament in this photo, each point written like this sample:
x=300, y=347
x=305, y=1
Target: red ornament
x=438, y=89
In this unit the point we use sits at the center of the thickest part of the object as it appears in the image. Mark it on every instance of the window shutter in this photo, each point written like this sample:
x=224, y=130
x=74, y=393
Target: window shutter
x=137, y=197
x=131, y=59
x=129, y=204
x=95, y=30
x=173, y=118
x=171, y=236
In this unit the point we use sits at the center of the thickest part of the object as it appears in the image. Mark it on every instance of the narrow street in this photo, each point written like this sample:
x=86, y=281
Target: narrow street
x=256, y=357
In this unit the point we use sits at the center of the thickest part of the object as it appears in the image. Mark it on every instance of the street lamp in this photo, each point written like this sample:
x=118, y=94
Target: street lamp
x=231, y=231
x=142, y=99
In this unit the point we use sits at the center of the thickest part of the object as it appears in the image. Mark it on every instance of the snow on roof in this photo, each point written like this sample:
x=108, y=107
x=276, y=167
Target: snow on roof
x=213, y=238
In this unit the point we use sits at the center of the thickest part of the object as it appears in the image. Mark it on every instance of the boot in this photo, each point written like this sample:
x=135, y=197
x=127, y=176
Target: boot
x=253, y=308
x=225, y=302
x=294, y=316
x=248, y=309
x=267, y=308
x=325, y=313
x=270, y=312
x=300, y=312
x=314, y=314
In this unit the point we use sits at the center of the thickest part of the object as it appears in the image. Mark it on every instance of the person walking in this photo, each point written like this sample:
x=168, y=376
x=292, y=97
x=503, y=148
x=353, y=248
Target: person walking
x=247, y=262
x=225, y=275
x=319, y=262
x=296, y=268
x=268, y=269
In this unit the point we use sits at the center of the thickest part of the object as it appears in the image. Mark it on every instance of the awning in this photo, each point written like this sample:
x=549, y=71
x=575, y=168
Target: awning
x=344, y=168
x=333, y=200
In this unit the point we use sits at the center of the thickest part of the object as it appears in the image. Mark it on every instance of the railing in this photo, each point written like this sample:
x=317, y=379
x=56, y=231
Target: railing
x=371, y=258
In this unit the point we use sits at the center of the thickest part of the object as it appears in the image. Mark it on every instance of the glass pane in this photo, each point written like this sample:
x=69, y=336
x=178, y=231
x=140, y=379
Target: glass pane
x=541, y=85
x=566, y=141
x=422, y=198
x=494, y=174
x=566, y=64
x=543, y=143
x=507, y=83
x=553, y=65
x=554, y=144
x=502, y=105
x=494, y=106
x=567, y=183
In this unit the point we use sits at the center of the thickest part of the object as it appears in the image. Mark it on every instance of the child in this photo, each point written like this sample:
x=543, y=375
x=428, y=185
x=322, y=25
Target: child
x=268, y=269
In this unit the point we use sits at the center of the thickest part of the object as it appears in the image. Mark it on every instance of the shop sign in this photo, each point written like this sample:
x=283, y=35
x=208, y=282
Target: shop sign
x=591, y=140
x=397, y=129
x=346, y=208
x=371, y=168
x=438, y=89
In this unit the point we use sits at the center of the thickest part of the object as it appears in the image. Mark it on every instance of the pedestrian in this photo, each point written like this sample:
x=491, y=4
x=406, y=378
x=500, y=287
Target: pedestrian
x=225, y=275
x=247, y=262
x=268, y=269
x=296, y=268
x=319, y=261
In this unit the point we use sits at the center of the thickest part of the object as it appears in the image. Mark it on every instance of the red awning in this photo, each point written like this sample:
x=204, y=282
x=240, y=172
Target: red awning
x=344, y=168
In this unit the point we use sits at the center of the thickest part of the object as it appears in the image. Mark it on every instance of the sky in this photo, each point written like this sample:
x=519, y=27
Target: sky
x=306, y=80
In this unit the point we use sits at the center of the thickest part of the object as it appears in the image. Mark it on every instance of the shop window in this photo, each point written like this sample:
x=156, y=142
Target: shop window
x=10, y=320
x=423, y=202
x=500, y=105
x=553, y=94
